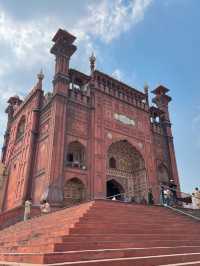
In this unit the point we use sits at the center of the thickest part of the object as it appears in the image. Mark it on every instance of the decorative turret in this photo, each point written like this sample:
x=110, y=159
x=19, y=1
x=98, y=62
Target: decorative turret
x=40, y=77
x=162, y=101
x=14, y=102
x=92, y=63
x=146, y=91
x=63, y=49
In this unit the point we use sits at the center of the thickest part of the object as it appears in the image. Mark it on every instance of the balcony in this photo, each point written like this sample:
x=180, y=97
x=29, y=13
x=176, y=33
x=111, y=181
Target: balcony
x=76, y=164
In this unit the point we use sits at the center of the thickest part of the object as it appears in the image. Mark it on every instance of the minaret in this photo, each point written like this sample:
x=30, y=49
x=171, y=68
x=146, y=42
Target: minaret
x=146, y=91
x=162, y=100
x=92, y=63
x=40, y=77
x=38, y=95
x=63, y=49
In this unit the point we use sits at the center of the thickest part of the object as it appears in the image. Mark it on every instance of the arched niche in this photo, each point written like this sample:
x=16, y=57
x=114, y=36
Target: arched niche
x=112, y=163
x=74, y=192
x=125, y=156
x=76, y=155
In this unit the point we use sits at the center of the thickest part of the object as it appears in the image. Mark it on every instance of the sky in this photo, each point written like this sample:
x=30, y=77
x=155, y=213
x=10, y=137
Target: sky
x=137, y=41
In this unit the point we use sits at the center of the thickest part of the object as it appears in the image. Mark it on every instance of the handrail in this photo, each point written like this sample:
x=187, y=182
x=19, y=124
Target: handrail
x=171, y=189
x=120, y=194
x=182, y=212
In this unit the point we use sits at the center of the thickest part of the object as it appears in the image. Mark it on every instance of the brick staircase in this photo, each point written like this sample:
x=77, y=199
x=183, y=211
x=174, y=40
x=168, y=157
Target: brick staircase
x=101, y=233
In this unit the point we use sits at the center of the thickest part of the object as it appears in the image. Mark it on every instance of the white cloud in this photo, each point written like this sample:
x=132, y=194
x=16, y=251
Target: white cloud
x=29, y=42
x=117, y=74
x=3, y=67
x=26, y=44
x=109, y=19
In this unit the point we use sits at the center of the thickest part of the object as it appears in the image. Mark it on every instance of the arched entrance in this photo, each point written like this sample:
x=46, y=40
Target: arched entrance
x=74, y=192
x=125, y=165
x=114, y=188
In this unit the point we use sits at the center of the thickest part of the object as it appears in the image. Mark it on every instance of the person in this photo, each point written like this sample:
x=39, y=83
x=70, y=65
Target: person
x=162, y=198
x=27, y=209
x=126, y=199
x=114, y=198
x=150, y=197
x=45, y=207
x=196, y=199
x=173, y=188
x=167, y=197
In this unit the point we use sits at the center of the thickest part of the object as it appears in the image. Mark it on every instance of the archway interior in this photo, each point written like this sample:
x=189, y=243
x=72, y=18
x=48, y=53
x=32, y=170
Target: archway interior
x=126, y=166
x=113, y=189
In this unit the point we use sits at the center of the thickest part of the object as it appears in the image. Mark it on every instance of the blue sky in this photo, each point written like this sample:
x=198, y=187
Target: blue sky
x=138, y=41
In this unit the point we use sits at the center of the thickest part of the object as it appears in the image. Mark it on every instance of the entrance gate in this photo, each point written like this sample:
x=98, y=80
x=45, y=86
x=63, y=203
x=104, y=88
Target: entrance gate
x=125, y=166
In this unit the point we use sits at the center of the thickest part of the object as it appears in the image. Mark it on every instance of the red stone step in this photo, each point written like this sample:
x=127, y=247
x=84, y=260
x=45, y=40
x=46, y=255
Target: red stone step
x=103, y=238
x=94, y=254
x=119, y=244
x=102, y=225
x=80, y=230
x=129, y=226
x=138, y=261
x=129, y=237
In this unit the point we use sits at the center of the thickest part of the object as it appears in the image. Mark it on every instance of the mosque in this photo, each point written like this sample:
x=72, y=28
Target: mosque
x=91, y=137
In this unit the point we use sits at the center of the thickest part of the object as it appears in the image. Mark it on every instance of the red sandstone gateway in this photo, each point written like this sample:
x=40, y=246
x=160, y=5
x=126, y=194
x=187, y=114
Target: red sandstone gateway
x=92, y=137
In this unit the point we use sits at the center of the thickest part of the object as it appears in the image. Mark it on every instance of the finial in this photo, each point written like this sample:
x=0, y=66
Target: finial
x=40, y=75
x=146, y=88
x=92, y=62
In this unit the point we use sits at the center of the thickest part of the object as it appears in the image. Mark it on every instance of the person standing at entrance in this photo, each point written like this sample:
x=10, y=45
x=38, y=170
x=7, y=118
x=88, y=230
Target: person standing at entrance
x=150, y=197
x=173, y=187
x=27, y=209
x=167, y=197
x=196, y=199
x=162, y=197
x=45, y=207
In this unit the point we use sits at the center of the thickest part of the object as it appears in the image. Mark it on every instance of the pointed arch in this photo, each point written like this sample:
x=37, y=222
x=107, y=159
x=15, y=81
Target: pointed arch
x=129, y=171
x=126, y=156
x=112, y=163
x=76, y=155
x=74, y=191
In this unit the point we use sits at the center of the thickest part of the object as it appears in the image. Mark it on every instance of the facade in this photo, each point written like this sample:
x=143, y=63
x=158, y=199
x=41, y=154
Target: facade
x=91, y=137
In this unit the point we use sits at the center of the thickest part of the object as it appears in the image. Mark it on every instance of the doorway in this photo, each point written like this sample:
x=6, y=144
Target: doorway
x=114, y=188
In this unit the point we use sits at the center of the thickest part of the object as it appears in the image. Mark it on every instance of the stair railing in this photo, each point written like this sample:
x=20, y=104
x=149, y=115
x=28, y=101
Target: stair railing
x=175, y=202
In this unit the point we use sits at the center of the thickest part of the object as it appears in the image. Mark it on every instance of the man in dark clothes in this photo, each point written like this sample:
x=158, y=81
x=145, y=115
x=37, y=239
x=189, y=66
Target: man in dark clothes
x=150, y=197
x=173, y=187
x=162, y=198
